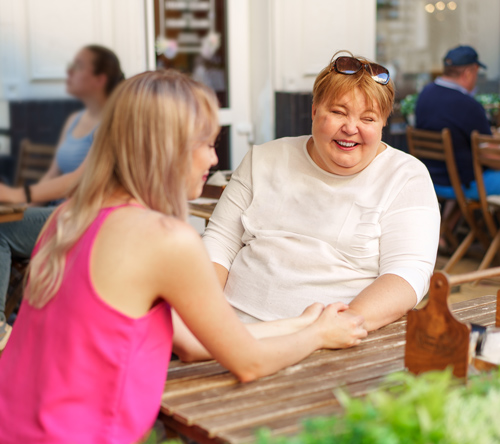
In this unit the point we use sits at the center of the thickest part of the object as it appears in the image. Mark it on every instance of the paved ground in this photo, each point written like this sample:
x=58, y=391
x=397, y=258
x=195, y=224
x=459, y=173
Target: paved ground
x=469, y=291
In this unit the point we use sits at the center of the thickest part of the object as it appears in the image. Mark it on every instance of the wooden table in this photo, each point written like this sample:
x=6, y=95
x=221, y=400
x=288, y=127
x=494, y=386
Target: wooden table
x=11, y=212
x=202, y=210
x=211, y=194
x=206, y=403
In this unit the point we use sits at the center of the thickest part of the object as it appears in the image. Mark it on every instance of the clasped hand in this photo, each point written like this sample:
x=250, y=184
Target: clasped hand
x=340, y=328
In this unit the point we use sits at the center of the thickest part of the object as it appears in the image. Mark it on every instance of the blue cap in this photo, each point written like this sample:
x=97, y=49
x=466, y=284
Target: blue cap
x=462, y=55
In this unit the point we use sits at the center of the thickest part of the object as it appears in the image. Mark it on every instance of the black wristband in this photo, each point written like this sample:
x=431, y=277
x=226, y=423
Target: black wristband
x=27, y=192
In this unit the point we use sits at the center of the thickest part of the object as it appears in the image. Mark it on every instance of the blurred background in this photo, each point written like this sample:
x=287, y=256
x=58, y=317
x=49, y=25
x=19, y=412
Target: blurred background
x=260, y=56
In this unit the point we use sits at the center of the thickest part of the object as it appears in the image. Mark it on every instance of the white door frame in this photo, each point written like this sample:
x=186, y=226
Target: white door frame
x=237, y=115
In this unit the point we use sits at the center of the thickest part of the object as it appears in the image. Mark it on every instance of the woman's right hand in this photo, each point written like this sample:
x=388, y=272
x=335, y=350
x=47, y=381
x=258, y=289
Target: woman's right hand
x=339, y=328
x=11, y=195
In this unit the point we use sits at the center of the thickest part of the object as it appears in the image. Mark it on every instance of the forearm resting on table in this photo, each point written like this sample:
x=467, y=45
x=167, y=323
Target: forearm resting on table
x=41, y=192
x=187, y=347
x=386, y=300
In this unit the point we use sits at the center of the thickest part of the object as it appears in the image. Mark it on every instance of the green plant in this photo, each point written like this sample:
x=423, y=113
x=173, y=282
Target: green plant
x=407, y=104
x=488, y=99
x=426, y=409
x=153, y=439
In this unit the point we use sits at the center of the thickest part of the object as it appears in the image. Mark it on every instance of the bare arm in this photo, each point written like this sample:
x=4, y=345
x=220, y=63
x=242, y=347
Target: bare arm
x=384, y=301
x=189, y=349
x=51, y=189
x=52, y=186
x=52, y=172
x=222, y=274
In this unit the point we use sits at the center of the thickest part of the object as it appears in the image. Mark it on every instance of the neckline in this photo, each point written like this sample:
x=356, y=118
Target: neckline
x=337, y=176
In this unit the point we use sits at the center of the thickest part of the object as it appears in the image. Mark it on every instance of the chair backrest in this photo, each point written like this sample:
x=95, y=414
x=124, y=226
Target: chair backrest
x=34, y=161
x=437, y=145
x=485, y=154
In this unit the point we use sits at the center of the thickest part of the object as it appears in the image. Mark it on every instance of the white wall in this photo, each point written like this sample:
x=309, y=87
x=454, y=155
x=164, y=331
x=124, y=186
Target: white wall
x=38, y=38
x=488, y=37
x=308, y=32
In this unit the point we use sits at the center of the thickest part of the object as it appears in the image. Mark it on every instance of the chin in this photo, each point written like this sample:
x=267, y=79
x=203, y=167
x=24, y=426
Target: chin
x=194, y=194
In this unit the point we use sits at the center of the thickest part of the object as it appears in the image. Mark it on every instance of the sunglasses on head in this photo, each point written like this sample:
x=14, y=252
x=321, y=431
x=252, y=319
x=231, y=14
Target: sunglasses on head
x=351, y=65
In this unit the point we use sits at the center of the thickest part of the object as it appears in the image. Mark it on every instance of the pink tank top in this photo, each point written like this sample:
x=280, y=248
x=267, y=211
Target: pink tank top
x=79, y=371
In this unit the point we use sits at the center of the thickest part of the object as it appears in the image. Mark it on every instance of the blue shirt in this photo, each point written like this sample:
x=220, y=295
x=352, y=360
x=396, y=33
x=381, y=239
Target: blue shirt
x=444, y=104
x=72, y=151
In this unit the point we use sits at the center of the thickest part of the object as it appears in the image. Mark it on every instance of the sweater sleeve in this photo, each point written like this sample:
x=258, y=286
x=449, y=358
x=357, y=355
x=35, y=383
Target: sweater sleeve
x=478, y=119
x=410, y=234
x=223, y=235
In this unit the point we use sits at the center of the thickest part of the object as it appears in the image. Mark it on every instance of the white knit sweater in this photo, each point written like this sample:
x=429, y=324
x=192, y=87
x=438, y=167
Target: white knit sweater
x=292, y=234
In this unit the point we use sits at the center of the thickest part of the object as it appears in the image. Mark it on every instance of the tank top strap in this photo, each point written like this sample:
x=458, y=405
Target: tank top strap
x=69, y=132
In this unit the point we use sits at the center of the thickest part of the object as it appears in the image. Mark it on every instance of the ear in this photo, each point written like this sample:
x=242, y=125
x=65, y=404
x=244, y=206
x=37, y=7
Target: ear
x=102, y=79
x=313, y=112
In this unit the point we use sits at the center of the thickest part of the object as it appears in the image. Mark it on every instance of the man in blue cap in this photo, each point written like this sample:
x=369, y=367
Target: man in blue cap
x=449, y=102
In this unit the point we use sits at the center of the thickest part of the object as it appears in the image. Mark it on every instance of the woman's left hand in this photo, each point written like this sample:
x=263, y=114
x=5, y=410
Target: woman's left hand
x=11, y=195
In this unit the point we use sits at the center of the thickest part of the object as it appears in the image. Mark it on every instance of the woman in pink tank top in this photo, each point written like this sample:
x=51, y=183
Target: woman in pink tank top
x=89, y=352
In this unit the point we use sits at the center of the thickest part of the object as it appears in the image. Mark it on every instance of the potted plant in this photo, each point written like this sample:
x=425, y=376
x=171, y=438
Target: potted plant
x=407, y=108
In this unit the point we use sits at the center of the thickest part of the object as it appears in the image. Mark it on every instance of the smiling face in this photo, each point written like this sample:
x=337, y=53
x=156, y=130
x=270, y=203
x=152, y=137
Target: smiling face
x=346, y=134
x=203, y=157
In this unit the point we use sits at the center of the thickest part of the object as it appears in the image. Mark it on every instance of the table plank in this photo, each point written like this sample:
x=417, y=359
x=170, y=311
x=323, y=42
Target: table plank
x=224, y=407
x=11, y=212
x=201, y=210
x=314, y=366
x=11, y=217
x=292, y=424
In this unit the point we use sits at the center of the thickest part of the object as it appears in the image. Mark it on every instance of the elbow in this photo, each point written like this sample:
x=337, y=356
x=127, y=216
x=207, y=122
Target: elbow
x=190, y=354
x=250, y=373
x=185, y=356
x=246, y=376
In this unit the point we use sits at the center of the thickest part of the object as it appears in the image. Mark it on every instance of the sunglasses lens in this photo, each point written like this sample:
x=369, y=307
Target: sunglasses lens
x=351, y=65
x=379, y=73
x=348, y=65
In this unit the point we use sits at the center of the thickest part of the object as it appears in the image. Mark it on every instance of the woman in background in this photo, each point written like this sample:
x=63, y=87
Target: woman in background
x=92, y=76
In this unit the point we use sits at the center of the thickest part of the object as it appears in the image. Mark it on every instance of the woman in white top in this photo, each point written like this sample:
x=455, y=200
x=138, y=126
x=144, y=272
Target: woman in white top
x=338, y=216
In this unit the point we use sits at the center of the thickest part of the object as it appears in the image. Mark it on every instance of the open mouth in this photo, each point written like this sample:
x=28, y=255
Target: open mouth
x=346, y=145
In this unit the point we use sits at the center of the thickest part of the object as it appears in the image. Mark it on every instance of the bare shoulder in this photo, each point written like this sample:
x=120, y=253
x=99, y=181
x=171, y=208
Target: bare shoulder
x=71, y=118
x=167, y=247
x=158, y=231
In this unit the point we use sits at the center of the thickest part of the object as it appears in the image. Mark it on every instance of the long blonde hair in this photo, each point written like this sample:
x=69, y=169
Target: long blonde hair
x=150, y=124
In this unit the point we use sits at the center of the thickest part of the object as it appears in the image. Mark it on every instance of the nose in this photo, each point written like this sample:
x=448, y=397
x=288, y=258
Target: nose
x=350, y=126
x=214, y=160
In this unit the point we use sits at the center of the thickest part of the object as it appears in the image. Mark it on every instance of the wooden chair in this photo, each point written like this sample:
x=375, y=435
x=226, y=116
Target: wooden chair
x=435, y=339
x=34, y=161
x=486, y=154
x=16, y=287
x=436, y=145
